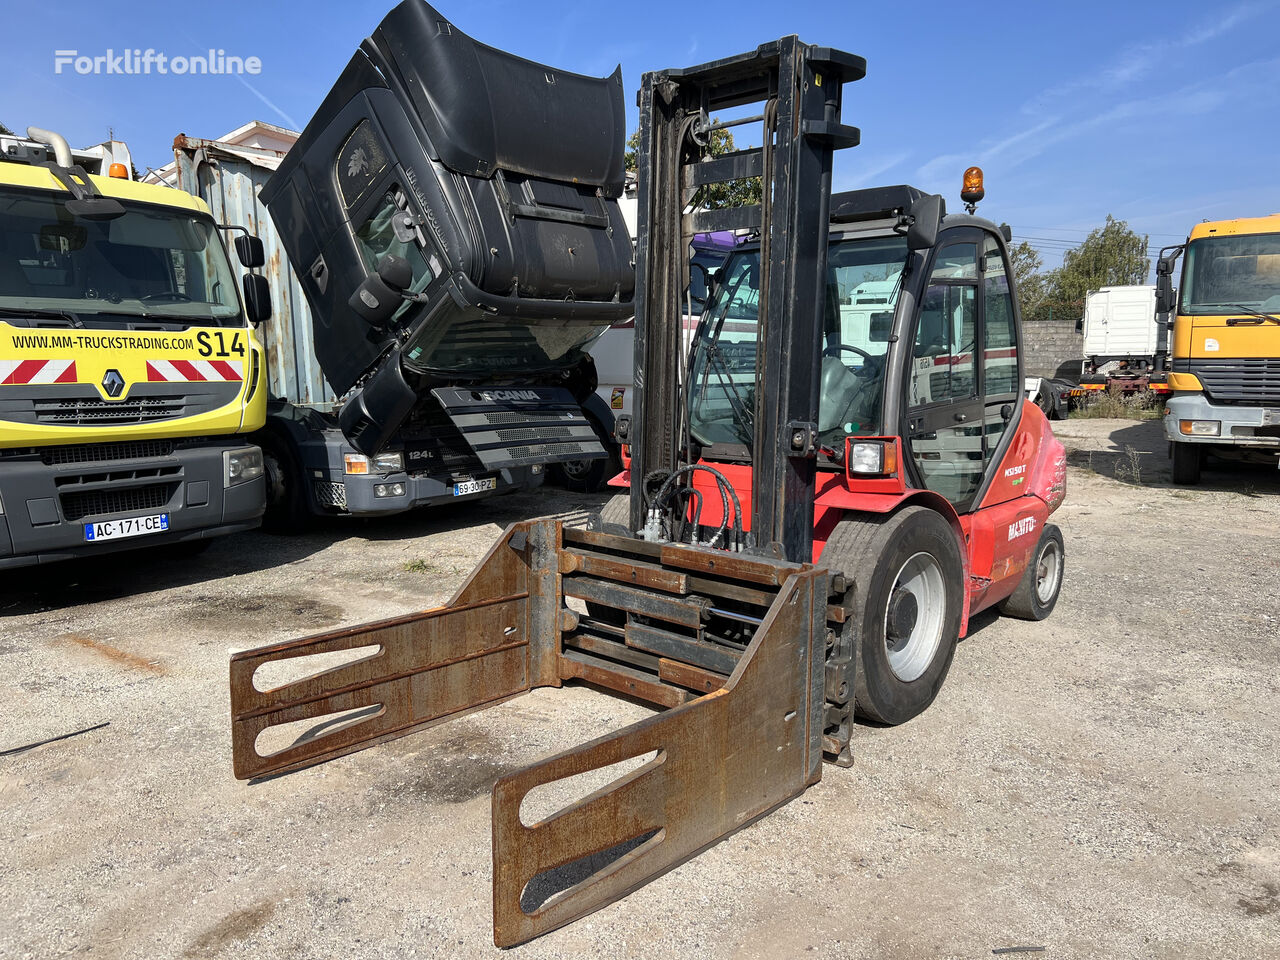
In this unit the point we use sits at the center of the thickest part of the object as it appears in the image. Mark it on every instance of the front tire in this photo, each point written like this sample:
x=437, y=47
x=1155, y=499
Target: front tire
x=287, y=510
x=908, y=576
x=1188, y=458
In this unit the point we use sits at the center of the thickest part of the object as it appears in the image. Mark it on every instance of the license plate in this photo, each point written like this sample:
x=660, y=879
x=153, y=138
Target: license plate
x=474, y=486
x=128, y=527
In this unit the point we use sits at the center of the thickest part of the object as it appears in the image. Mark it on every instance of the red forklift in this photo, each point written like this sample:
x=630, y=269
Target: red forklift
x=838, y=477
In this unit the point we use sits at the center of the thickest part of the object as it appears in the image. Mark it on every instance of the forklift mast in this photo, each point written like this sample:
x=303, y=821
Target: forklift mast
x=799, y=88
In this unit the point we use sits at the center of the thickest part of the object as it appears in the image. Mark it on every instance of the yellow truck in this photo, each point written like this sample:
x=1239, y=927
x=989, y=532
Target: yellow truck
x=1225, y=350
x=130, y=373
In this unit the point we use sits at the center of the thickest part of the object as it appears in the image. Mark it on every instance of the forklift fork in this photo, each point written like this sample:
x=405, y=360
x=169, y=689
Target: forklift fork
x=744, y=732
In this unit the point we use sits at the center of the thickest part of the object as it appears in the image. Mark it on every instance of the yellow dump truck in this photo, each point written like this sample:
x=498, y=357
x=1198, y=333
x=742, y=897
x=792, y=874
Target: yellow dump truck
x=130, y=375
x=1225, y=349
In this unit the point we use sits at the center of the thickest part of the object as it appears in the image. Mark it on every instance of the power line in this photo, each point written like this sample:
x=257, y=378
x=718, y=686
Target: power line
x=1177, y=236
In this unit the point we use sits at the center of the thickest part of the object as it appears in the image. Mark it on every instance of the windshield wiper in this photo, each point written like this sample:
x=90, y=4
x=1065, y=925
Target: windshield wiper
x=744, y=418
x=33, y=313
x=1253, y=313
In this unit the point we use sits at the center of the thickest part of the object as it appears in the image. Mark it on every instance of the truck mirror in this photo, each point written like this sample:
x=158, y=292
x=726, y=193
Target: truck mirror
x=95, y=208
x=257, y=298
x=926, y=217
x=881, y=327
x=375, y=301
x=710, y=281
x=395, y=272
x=250, y=252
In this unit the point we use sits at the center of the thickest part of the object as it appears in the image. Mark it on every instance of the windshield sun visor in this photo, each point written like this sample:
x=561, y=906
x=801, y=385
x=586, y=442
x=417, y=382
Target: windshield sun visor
x=495, y=178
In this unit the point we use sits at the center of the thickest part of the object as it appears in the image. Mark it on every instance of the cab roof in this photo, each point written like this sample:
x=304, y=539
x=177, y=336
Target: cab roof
x=42, y=178
x=1240, y=226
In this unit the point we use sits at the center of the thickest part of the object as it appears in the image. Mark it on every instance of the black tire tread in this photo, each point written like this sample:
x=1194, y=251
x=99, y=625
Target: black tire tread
x=615, y=516
x=1187, y=462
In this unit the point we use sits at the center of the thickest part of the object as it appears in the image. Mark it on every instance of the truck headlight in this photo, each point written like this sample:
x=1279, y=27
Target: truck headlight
x=241, y=466
x=1200, y=428
x=382, y=463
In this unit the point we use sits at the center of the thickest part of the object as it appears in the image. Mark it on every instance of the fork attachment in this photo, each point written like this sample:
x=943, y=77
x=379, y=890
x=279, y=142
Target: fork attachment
x=719, y=761
x=733, y=646
x=497, y=637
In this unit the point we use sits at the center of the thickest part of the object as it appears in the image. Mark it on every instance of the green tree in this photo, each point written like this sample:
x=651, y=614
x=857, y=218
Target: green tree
x=1027, y=278
x=5, y=130
x=735, y=193
x=1112, y=255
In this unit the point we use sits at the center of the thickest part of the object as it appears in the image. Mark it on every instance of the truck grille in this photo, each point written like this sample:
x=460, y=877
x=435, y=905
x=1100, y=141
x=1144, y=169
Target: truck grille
x=92, y=503
x=105, y=452
x=331, y=494
x=544, y=452
x=88, y=412
x=1245, y=380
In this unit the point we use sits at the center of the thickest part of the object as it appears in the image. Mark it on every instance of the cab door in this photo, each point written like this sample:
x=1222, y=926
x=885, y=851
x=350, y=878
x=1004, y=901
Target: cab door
x=943, y=407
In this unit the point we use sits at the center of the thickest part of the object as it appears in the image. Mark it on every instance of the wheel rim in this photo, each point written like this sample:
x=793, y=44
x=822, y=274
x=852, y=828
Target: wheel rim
x=576, y=469
x=1048, y=571
x=913, y=617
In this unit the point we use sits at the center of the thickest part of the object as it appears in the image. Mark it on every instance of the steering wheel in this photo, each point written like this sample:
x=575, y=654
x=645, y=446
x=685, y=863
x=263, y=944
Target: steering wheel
x=835, y=351
x=169, y=296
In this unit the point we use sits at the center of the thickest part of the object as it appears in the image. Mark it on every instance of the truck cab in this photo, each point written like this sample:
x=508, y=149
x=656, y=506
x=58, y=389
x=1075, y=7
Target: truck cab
x=130, y=373
x=457, y=233
x=1225, y=350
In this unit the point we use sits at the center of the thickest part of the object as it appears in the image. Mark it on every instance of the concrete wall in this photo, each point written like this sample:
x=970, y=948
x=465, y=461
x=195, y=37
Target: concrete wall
x=1051, y=348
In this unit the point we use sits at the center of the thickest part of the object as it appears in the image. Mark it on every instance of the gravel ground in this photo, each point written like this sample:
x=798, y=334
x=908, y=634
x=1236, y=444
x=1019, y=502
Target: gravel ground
x=1102, y=784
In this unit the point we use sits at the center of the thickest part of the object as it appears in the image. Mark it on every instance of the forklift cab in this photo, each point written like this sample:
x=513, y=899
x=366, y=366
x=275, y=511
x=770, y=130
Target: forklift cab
x=917, y=344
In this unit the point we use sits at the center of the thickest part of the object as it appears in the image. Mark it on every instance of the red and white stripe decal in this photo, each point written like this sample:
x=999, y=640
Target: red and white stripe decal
x=168, y=371
x=37, y=371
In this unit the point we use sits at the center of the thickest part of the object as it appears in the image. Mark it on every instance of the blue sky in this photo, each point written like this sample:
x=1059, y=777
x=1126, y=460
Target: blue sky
x=1160, y=113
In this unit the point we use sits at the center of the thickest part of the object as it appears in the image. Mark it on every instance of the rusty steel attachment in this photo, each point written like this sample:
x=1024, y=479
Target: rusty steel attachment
x=736, y=647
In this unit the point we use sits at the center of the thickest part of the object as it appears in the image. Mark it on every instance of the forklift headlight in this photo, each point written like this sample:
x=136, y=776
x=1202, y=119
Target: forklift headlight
x=873, y=458
x=1200, y=428
x=241, y=466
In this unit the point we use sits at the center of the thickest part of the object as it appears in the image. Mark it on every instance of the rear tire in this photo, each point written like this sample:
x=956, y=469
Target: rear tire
x=1188, y=458
x=582, y=476
x=908, y=577
x=1037, y=592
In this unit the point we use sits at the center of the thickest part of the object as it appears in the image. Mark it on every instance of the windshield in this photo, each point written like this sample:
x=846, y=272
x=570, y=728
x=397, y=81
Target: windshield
x=864, y=279
x=1225, y=273
x=156, y=263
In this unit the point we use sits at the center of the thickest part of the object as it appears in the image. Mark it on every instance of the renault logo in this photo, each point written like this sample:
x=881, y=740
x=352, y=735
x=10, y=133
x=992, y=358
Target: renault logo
x=113, y=383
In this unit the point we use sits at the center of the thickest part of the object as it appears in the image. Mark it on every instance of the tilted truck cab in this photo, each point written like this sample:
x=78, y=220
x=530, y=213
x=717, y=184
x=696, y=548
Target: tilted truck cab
x=452, y=212
x=130, y=374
